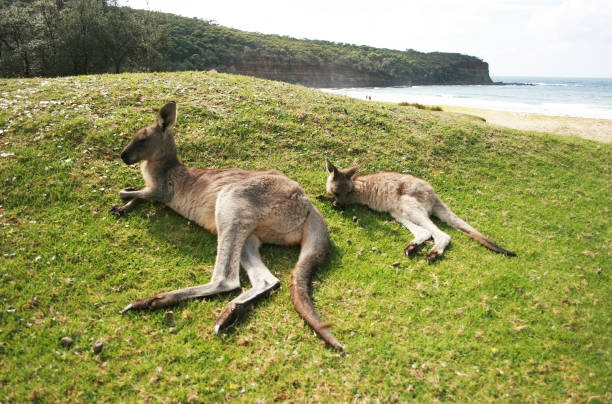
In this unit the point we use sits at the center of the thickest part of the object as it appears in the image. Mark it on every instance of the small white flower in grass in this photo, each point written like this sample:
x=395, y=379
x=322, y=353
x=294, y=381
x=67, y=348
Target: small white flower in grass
x=7, y=154
x=38, y=258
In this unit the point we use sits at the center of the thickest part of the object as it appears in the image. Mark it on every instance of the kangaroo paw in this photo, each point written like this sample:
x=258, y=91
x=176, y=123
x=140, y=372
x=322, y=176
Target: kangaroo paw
x=154, y=302
x=412, y=248
x=327, y=198
x=433, y=255
x=119, y=210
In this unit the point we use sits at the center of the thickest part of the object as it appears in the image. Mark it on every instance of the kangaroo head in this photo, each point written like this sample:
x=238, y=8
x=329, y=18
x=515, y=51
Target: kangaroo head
x=340, y=182
x=153, y=142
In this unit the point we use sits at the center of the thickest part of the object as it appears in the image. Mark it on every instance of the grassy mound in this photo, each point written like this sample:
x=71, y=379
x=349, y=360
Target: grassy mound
x=474, y=326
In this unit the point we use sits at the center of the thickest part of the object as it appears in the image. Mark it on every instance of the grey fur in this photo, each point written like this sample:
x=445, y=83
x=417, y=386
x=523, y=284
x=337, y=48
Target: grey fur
x=244, y=208
x=410, y=200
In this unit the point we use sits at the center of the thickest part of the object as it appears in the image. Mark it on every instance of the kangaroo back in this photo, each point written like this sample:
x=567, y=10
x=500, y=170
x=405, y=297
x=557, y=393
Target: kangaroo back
x=449, y=217
x=315, y=248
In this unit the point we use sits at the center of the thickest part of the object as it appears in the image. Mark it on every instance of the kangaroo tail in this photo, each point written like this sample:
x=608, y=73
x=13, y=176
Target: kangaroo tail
x=315, y=247
x=448, y=216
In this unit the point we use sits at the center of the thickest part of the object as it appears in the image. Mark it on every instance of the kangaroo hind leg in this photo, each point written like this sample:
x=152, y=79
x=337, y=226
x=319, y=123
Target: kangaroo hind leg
x=421, y=235
x=441, y=239
x=262, y=281
x=419, y=216
x=232, y=235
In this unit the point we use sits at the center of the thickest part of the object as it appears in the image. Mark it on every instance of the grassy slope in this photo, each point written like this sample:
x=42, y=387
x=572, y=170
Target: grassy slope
x=432, y=332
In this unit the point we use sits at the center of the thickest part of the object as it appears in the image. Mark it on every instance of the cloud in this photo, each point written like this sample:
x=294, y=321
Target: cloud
x=574, y=21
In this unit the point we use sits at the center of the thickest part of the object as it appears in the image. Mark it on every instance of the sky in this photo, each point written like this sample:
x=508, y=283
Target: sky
x=550, y=38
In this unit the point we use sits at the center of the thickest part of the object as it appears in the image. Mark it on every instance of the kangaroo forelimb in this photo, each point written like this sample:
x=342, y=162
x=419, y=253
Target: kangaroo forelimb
x=327, y=198
x=123, y=209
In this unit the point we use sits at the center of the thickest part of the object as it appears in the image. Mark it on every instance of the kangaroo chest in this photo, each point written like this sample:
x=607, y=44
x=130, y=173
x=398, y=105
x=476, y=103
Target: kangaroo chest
x=378, y=197
x=196, y=206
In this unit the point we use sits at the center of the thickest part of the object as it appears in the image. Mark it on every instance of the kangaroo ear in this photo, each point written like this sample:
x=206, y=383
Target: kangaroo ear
x=330, y=167
x=167, y=116
x=349, y=172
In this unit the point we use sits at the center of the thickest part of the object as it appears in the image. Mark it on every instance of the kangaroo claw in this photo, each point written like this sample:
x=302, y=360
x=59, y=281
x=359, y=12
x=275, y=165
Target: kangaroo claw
x=328, y=198
x=154, y=302
x=229, y=316
x=117, y=210
x=325, y=198
x=126, y=308
x=412, y=248
x=432, y=256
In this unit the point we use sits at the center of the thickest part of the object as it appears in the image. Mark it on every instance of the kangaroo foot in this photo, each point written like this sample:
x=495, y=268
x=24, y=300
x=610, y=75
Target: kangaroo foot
x=154, y=302
x=412, y=248
x=237, y=306
x=432, y=256
x=230, y=315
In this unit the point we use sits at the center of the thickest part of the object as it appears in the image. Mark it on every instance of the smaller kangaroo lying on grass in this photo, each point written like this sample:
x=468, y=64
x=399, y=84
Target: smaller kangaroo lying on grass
x=244, y=208
x=408, y=199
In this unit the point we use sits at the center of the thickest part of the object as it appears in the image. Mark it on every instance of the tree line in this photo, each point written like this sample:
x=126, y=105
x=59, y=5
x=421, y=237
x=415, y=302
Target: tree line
x=70, y=37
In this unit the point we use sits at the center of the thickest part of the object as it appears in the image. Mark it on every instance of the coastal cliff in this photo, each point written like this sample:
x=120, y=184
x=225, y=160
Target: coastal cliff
x=194, y=44
x=121, y=39
x=334, y=75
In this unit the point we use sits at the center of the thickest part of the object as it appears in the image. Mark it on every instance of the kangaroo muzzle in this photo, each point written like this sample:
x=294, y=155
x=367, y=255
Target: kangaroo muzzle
x=125, y=156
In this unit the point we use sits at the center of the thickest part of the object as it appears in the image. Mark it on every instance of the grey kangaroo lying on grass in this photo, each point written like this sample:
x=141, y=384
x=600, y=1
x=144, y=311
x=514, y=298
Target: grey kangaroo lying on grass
x=408, y=199
x=244, y=208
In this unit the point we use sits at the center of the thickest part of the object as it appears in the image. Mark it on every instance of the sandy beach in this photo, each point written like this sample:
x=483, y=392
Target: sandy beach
x=594, y=129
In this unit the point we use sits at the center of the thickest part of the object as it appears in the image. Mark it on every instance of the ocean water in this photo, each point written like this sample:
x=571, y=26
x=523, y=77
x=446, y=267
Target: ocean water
x=578, y=97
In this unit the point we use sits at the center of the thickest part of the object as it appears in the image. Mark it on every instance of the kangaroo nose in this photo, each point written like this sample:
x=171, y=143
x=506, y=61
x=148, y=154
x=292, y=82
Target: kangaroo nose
x=124, y=157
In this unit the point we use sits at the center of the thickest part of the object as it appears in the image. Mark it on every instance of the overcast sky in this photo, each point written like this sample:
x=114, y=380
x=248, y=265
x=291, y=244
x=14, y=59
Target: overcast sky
x=562, y=38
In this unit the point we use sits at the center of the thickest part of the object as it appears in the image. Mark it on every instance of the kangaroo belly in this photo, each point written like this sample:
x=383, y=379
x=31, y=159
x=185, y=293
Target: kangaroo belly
x=273, y=236
x=276, y=205
x=199, y=210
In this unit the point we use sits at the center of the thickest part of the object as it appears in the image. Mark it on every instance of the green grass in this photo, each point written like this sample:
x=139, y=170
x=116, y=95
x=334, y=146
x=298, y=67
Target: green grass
x=439, y=332
x=420, y=106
